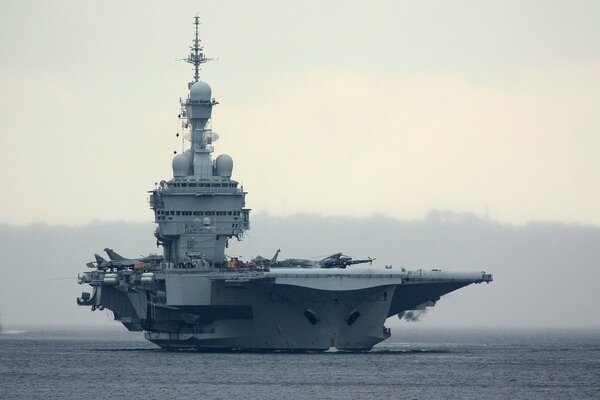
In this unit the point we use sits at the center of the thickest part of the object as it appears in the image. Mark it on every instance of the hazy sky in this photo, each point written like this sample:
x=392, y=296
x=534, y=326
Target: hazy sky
x=349, y=108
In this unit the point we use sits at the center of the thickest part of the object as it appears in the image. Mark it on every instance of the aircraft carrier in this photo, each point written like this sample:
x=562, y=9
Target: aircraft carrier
x=194, y=297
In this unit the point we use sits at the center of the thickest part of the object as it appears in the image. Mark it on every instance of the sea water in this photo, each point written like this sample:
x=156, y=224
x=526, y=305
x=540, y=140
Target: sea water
x=415, y=363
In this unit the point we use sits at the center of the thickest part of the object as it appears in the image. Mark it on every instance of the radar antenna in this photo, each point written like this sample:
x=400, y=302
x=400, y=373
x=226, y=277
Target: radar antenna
x=196, y=57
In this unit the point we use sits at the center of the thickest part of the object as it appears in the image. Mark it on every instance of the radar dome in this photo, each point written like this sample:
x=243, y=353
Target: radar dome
x=200, y=91
x=182, y=164
x=224, y=165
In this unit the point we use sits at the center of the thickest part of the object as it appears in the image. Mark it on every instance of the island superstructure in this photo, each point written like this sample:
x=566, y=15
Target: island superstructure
x=201, y=208
x=193, y=297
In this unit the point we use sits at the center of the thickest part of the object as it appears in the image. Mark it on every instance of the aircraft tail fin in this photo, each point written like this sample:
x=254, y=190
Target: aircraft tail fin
x=114, y=256
x=274, y=259
x=99, y=259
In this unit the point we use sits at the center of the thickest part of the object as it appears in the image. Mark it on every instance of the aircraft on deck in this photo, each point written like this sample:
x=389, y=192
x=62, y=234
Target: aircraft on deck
x=118, y=262
x=337, y=260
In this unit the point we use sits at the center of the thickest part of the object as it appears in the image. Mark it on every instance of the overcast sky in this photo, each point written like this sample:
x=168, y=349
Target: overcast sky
x=352, y=108
x=327, y=107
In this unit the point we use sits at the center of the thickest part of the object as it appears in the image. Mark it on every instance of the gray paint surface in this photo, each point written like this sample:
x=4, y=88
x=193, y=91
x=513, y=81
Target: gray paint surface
x=195, y=298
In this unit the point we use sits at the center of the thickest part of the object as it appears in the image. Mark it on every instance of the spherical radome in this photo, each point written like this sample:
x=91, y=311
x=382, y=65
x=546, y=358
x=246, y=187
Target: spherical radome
x=200, y=91
x=224, y=165
x=181, y=164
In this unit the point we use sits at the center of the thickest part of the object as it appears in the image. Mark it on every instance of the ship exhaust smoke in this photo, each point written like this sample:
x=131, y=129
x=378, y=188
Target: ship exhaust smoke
x=412, y=316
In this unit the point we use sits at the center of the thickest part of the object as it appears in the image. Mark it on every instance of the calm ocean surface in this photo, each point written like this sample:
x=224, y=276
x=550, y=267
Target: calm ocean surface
x=414, y=364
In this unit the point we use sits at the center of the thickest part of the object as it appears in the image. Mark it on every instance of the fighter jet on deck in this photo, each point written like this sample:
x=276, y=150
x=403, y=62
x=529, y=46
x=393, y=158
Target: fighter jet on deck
x=118, y=262
x=265, y=262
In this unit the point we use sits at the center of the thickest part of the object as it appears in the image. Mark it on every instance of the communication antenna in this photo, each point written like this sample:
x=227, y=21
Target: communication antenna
x=196, y=57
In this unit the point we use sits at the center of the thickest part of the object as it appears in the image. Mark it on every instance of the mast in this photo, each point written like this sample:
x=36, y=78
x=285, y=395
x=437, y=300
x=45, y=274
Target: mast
x=196, y=57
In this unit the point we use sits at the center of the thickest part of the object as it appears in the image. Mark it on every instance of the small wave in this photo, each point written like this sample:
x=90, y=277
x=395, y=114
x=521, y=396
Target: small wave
x=141, y=349
x=12, y=332
x=410, y=351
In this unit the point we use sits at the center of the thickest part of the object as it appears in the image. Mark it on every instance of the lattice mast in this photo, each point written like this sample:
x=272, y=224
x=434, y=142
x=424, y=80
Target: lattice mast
x=196, y=56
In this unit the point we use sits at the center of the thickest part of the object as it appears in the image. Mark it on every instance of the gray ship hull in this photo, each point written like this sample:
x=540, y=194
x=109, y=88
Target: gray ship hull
x=278, y=321
x=287, y=310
